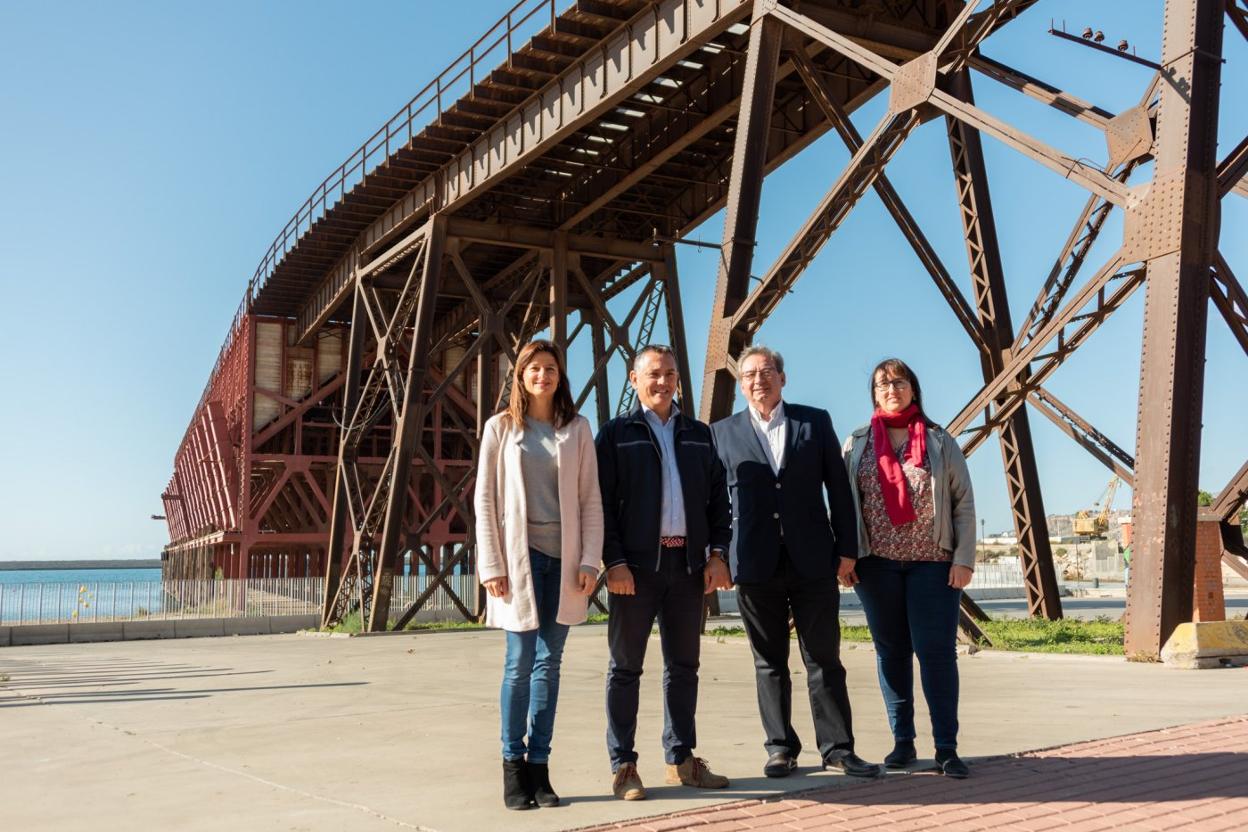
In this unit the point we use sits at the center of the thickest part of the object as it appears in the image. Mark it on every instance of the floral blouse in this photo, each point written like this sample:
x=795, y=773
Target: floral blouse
x=910, y=541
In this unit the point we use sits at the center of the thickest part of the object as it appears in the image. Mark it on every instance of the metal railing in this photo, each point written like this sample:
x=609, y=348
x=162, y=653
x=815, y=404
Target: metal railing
x=523, y=20
x=997, y=576
x=458, y=78
x=61, y=603
x=73, y=603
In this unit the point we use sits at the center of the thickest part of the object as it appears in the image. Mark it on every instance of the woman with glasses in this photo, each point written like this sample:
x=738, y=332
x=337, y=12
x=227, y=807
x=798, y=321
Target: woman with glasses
x=539, y=547
x=916, y=553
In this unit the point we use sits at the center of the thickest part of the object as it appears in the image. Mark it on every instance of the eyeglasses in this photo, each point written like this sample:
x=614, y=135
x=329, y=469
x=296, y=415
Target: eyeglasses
x=893, y=384
x=765, y=374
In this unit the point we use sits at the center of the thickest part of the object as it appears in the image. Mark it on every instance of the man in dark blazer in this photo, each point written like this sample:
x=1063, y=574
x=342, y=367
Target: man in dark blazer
x=789, y=548
x=666, y=527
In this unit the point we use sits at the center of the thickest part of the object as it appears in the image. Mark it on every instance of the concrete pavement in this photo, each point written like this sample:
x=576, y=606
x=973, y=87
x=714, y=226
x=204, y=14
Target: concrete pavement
x=400, y=732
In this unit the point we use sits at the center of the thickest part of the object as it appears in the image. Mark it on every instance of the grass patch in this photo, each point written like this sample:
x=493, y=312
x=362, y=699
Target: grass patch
x=444, y=625
x=1102, y=637
x=351, y=623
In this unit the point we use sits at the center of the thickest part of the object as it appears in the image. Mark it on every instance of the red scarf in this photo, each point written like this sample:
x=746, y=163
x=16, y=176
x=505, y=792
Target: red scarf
x=892, y=478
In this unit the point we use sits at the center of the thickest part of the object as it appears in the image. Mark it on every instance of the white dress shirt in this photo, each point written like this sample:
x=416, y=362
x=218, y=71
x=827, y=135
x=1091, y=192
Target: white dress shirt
x=772, y=433
x=672, y=519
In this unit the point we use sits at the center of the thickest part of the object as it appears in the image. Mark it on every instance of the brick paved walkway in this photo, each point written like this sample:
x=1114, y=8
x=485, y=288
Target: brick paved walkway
x=1193, y=777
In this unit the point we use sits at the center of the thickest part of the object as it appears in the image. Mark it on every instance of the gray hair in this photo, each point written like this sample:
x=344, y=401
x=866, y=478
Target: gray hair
x=767, y=352
x=652, y=349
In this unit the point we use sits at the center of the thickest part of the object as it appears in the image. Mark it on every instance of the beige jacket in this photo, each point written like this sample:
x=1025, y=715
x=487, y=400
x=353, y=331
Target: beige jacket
x=953, y=502
x=502, y=522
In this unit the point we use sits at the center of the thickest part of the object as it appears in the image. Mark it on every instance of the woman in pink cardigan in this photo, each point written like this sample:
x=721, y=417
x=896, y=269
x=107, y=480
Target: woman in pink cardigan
x=539, y=549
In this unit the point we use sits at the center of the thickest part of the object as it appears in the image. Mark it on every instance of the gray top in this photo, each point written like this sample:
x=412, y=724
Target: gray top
x=540, y=468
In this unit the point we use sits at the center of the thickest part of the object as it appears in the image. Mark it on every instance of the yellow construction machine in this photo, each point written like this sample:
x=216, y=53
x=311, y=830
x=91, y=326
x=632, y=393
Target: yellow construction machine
x=1094, y=522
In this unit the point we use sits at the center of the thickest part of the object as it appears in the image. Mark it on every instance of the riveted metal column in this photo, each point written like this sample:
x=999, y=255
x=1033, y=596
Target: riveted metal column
x=676, y=323
x=992, y=306
x=339, y=522
x=1174, y=230
x=602, y=390
x=559, y=291
x=741, y=212
x=408, y=429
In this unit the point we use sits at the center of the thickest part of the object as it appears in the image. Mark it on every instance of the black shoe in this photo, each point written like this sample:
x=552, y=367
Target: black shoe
x=951, y=765
x=780, y=764
x=517, y=791
x=539, y=779
x=902, y=755
x=853, y=765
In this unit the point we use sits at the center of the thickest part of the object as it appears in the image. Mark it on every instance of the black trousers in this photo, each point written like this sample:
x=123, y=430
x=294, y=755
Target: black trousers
x=815, y=605
x=673, y=595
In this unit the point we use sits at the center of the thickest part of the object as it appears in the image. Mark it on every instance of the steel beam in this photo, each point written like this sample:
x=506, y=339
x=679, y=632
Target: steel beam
x=862, y=171
x=676, y=324
x=839, y=119
x=1181, y=216
x=558, y=301
x=1232, y=496
x=992, y=307
x=1084, y=433
x=745, y=190
x=1231, y=300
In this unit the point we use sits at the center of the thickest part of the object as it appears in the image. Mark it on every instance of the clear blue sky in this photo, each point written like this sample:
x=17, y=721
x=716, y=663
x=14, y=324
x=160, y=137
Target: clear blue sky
x=152, y=151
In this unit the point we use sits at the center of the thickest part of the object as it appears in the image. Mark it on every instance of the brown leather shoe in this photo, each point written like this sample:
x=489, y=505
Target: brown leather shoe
x=694, y=772
x=627, y=783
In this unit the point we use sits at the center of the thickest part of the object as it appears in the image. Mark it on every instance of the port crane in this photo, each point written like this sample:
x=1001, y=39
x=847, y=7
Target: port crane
x=1094, y=522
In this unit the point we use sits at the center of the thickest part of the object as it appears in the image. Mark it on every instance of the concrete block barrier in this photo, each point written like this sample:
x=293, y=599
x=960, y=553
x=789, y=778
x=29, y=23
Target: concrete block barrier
x=106, y=631
x=246, y=626
x=1207, y=644
x=198, y=627
x=40, y=634
x=29, y=634
x=293, y=623
x=132, y=630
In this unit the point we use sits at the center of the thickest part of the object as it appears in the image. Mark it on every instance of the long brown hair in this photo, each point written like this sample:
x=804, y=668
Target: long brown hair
x=897, y=367
x=518, y=405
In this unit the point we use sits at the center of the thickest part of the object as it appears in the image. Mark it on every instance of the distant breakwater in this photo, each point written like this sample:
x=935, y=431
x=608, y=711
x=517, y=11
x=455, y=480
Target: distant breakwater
x=132, y=563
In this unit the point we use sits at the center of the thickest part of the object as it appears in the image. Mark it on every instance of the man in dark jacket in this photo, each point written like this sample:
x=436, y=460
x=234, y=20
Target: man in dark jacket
x=787, y=554
x=665, y=504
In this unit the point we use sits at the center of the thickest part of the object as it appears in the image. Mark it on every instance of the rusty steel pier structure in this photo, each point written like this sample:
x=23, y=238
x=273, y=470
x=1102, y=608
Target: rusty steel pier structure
x=554, y=167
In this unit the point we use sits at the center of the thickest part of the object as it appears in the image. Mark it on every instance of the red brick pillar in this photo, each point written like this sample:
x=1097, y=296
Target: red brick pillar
x=1208, y=603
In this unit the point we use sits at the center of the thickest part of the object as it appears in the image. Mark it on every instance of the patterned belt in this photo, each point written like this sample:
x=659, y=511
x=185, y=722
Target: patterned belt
x=672, y=542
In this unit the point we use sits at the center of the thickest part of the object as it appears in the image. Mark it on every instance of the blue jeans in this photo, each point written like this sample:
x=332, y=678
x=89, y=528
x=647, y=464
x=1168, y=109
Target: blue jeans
x=912, y=611
x=530, y=689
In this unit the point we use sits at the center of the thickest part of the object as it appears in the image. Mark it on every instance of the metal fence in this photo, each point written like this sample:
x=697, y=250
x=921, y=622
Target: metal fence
x=62, y=603
x=998, y=576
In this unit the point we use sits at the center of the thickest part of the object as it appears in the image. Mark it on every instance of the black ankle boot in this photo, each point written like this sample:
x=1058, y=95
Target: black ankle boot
x=902, y=755
x=543, y=792
x=950, y=764
x=517, y=790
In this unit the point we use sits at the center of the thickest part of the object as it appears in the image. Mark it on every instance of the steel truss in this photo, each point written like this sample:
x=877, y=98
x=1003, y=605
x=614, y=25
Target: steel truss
x=559, y=181
x=552, y=277
x=1175, y=247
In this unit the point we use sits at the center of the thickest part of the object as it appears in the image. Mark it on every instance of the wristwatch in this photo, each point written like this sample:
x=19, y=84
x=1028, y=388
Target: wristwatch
x=721, y=554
